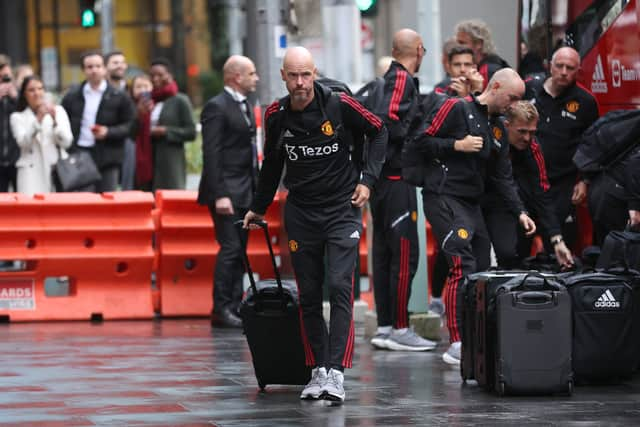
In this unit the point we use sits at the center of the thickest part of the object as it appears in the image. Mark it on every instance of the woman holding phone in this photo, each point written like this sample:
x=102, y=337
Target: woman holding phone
x=140, y=91
x=41, y=129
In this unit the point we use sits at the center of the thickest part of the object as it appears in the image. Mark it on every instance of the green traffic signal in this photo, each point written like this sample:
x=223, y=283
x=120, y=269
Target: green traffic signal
x=88, y=18
x=364, y=5
x=367, y=7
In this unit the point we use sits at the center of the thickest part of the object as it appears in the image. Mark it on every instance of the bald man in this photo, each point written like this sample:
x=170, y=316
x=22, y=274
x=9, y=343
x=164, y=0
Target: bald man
x=462, y=153
x=307, y=131
x=566, y=110
x=394, y=203
x=229, y=173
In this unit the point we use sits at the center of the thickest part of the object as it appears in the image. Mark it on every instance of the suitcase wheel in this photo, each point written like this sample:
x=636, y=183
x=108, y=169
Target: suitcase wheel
x=501, y=388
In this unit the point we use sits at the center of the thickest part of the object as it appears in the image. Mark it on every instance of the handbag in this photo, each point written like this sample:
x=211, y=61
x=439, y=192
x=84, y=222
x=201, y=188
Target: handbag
x=75, y=171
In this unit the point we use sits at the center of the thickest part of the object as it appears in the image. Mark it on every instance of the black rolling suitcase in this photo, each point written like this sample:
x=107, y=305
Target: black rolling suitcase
x=271, y=322
x=606, y=328
x=533, y=337
x=476, y=340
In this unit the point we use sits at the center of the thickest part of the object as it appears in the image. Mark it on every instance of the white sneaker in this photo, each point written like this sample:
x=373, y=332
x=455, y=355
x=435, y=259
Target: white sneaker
x=453, y=355
x=379, y=340
x=408, y=340
x=313, y=389
x=334, y=386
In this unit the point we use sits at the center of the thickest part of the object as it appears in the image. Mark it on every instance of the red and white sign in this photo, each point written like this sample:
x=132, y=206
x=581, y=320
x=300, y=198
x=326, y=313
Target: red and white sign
x=17, y=294
x=366, y=42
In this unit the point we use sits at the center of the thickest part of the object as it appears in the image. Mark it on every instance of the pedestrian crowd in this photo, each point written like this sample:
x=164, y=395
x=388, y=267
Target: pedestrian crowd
x=134, y=133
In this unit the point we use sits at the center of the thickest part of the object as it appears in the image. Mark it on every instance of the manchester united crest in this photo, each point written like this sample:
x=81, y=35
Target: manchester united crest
x=326, y=128
x=497, y=132
x=573, y=106
x=293, y=245
x=463, y=234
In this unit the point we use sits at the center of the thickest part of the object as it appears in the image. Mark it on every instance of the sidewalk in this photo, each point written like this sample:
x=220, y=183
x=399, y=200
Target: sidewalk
x=181, y=373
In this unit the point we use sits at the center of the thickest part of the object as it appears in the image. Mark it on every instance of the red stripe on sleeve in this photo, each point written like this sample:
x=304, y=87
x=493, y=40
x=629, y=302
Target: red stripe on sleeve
x=368, y=115
x=484, y=70
x=441, y=115
x=542, y=169
x=270, y=110
x=396, y=97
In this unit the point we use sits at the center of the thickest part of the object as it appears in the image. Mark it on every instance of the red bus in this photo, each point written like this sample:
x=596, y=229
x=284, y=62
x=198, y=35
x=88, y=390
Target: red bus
x=605, y=32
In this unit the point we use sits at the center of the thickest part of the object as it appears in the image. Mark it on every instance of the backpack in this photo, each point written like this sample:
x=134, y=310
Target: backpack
x=371, y=95
x=608, y=140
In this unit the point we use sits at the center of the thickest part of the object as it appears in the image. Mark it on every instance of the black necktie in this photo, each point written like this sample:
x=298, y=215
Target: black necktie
x=244, y=106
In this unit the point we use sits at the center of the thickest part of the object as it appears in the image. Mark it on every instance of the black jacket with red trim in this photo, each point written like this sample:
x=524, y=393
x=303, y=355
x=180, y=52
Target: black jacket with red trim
x=632, y=182
x=563, y=120
x=489, y=65
x=461, y=174
x=398, y=108
x=314, y=145
x=530, y=176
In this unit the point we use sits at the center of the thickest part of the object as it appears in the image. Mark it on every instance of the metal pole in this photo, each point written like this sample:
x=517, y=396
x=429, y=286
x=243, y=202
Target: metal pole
x=265, y=31
x=235, y=28
x=106, y=26
x=56, y=42
x=342, y=41
x=178, y=40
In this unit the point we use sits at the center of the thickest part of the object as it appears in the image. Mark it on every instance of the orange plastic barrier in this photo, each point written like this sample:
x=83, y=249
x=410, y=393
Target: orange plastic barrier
x=186, y=246
x=81, y=255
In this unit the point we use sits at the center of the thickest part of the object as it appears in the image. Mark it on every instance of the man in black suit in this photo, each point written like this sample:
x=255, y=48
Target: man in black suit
x=101, y=117
x=228, y=180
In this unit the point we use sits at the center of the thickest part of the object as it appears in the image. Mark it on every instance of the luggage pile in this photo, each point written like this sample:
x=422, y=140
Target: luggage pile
x=540, y=331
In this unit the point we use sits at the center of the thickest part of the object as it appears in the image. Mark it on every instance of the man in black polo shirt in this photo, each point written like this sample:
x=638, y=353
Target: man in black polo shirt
x=462, y=154
x=566, y=110
x=308, y=131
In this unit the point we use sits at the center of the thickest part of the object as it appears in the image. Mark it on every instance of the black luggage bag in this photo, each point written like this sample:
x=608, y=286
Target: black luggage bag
x=533, y=337
x=271, y=321
x=606, y=328
x=620, y=249
x=477, y=347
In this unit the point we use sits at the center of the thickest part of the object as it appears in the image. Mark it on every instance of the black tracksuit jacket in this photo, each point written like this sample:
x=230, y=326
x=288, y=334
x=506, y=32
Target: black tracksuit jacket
x=464, y=175
x=320, y=172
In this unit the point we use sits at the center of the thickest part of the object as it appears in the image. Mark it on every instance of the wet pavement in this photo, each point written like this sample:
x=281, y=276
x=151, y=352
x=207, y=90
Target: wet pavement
x=183, y=373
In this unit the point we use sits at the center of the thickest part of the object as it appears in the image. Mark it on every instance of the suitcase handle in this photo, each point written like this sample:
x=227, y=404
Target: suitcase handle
x=546, y=284
x=245, y=259
x=532, y=297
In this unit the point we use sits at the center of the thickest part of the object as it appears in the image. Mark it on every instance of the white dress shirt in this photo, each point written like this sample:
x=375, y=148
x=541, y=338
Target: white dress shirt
x=92, y=100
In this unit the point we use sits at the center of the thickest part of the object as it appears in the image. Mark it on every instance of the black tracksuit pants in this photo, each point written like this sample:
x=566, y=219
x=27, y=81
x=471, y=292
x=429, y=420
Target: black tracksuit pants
x=510, y=243
x=463, y=239
x=608, y=207
x=314, y=232
x=229, y=270
x=395, y=250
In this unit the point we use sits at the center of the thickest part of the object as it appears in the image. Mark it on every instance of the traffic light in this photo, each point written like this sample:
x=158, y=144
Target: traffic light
x=87, y=13
x=367, y=8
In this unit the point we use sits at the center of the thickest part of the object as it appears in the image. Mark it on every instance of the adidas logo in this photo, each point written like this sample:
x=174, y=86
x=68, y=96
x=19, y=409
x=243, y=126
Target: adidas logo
x=598, y=83
x=288, y=134
x=607, y=300
x=355, y=235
